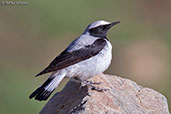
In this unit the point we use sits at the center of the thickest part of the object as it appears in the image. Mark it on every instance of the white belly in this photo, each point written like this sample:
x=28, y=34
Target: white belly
x=92, y=66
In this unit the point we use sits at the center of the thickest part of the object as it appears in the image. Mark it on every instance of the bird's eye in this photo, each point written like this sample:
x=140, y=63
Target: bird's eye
x=102, y=27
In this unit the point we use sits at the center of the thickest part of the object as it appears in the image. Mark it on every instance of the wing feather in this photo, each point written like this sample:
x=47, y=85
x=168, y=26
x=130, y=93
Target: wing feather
x=66, y=59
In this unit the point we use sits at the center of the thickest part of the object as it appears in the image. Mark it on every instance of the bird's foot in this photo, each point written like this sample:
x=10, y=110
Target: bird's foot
x=99, y=89
x=91, y=84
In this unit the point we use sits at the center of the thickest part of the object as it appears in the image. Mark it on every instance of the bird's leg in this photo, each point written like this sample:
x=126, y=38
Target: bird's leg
x=99, y=89
x=91, y=84
x=86, y=81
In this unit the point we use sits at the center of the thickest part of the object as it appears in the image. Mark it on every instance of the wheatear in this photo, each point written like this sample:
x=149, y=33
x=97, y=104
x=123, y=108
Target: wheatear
x=88, y=55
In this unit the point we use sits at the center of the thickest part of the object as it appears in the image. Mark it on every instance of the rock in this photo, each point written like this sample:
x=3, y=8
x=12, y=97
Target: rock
x=123, y=97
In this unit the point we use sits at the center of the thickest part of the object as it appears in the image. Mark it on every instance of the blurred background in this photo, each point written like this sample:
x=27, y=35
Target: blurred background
x=32, y=35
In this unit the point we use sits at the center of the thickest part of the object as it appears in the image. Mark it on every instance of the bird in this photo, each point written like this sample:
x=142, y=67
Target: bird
x=88, y=55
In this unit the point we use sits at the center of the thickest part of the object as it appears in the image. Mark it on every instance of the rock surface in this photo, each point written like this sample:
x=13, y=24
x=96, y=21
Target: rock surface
x=123, y=97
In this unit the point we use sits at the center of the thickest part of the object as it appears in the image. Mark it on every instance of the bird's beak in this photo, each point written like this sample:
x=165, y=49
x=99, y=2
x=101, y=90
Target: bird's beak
x=113, y=23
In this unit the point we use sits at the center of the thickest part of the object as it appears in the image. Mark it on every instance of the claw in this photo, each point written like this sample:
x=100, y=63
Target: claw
x=99, y=89
x=93, y=83
x=90, y=84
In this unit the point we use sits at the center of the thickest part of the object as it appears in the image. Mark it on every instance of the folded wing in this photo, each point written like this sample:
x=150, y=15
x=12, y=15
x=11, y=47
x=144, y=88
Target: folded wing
x=66, y=59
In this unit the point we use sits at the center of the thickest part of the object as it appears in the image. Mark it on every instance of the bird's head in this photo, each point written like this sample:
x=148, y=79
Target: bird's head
x=99, y=28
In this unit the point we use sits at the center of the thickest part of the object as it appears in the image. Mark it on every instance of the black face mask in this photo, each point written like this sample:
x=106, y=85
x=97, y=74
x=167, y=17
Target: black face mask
x=98, y=31
x=101, y=31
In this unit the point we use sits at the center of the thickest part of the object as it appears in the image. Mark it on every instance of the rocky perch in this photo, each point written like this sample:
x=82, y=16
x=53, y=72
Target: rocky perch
x=123, y=97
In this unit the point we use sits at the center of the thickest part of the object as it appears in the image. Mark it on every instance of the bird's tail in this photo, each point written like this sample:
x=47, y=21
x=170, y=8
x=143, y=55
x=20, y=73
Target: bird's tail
x=45, y=90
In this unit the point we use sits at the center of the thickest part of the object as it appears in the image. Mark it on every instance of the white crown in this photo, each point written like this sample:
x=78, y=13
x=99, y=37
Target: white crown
x=98, y=23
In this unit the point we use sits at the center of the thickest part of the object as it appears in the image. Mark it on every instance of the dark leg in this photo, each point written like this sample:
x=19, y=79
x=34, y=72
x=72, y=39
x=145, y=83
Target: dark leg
x=93, y=83
x=90, y=84
x=93, y=87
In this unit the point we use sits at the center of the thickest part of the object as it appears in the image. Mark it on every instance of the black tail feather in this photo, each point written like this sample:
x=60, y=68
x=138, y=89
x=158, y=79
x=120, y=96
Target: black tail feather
x=40, y=93
x=35, y=93
x=43, y=95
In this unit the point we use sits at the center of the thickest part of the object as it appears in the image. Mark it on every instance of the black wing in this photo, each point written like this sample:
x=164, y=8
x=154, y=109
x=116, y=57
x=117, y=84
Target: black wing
x=66, y=59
